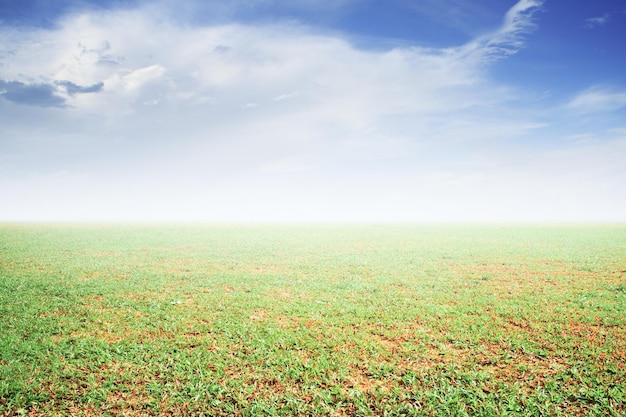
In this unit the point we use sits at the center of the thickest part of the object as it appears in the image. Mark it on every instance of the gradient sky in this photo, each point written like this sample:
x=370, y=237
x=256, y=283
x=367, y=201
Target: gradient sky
x=306, y=110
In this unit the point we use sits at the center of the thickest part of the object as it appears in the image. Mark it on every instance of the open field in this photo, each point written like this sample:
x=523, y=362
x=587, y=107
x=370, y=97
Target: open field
x=312, y=320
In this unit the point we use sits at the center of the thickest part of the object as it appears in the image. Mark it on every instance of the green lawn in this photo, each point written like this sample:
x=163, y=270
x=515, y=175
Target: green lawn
x=312, y=320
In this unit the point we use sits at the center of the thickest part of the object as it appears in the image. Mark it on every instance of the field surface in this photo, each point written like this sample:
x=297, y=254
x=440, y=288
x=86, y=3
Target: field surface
x=312, y=320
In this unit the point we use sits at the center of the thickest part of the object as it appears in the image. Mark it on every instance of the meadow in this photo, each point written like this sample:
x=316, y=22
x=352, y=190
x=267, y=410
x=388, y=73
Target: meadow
x=308, y=320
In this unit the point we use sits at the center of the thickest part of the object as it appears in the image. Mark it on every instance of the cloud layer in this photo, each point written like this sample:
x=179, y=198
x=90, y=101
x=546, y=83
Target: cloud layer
x=280, y=121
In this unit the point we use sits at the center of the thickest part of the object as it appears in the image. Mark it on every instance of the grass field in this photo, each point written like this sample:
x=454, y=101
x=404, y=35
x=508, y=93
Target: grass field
x=312, y=320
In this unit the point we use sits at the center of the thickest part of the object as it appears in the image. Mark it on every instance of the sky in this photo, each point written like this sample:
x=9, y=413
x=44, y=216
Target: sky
x=306, y=110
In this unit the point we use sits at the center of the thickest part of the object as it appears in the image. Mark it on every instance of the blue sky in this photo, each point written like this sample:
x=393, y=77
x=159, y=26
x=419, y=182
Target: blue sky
x=343, y=110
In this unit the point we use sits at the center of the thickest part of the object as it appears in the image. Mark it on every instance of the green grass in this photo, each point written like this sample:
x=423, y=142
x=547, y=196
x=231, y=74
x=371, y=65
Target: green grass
x=312, y=320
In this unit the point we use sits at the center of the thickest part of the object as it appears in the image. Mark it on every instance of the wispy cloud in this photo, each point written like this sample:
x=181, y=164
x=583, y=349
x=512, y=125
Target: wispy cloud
x=518, y=21
x=598, y=99
x=594, y=22
x=510, y=36
x=72, y=89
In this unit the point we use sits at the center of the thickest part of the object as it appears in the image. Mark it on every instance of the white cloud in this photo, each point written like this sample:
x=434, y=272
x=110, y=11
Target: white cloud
x=139, y=77
x=598, y=99
x=286, y=96
x=509, y=37
x=518, y=18
x=594, y=22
